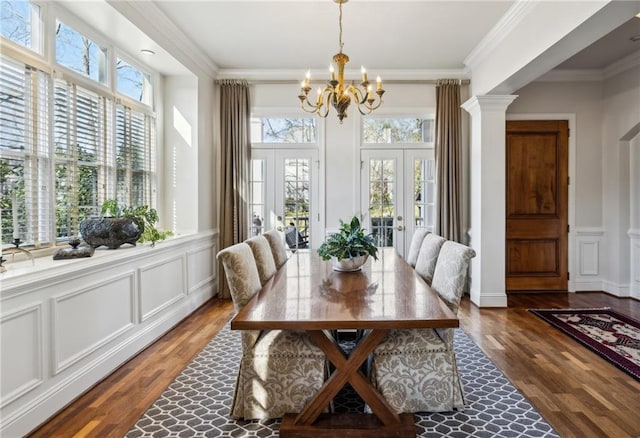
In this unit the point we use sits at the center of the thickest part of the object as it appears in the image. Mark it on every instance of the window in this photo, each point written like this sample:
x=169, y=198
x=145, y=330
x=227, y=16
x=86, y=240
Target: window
x=24, y=159
x=79, y=53
x=80, y=139
x=397, y=130
x=283, y=130
x=134, y=156
x=133, y=82
x=20, y=23
x=67, y=143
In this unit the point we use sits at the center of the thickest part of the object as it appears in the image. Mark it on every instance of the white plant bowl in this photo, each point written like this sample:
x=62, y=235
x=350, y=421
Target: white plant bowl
x=349, y=265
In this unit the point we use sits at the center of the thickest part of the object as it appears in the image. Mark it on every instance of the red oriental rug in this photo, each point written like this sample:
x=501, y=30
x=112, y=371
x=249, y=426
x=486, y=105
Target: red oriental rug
x=613, y=336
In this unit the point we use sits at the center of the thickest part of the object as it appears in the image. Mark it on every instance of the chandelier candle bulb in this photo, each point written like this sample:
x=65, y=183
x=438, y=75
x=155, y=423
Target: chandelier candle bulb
x=333, y=72
x=364, y=74
x=378, y=83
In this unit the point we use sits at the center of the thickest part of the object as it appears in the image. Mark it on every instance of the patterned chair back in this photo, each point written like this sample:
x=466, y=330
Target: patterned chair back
x=264, y=257
x=414, y=247
x=451, y=272
x=241, y=272
x=244, y=281
x=277, y=247
x=428, y=255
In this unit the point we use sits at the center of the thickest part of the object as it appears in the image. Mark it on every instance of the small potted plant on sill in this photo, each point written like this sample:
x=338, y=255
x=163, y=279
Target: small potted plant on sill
x=349, y=248
x=118, y=225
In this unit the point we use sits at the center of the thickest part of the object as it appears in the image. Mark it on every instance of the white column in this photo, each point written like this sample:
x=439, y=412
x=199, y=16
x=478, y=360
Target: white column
x=488, y=185
x=634, y=229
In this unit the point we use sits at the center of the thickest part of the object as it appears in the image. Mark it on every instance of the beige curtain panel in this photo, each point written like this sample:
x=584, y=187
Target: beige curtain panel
x=235, y=143
x=448, y=146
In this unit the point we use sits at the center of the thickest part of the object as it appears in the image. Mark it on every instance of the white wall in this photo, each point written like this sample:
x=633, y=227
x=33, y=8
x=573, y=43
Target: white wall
x=606, y=113
x=180, y=154
x=621, y=106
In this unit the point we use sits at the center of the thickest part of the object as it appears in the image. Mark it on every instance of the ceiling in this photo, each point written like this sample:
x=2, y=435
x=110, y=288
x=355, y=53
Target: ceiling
x=397, y=39
x=616, y=45
x=381, y=35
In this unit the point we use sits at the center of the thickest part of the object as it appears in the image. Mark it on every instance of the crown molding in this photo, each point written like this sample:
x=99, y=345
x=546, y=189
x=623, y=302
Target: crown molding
x=622, y=65
x=593, y=74
x=388, y=76
x=575, y=75
x=145, y=14
x=499, y=32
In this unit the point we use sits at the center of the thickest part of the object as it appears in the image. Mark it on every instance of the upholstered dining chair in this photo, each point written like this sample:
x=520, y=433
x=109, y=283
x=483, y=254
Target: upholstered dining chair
x=264, y=257
x=277, y=247
x=416, y=369
x=280, y=371
x=428, y=255
x=414, y=246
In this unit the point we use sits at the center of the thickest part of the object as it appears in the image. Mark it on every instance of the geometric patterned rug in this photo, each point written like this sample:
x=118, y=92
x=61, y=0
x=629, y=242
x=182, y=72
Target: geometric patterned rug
x=613, y=336
x=197, y=403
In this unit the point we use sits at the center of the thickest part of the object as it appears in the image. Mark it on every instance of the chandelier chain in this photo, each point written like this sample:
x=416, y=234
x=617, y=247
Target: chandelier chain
x=340, y=23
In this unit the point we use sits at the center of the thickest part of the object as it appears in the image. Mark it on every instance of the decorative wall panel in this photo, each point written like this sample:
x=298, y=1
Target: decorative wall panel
x=21, y=337
x=161, y=284
x=86, y=319
x=201, y=267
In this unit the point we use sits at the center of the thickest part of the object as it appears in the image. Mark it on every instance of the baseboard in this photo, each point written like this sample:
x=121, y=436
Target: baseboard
x=587, y=285
x=619, y=290
x=486, y=300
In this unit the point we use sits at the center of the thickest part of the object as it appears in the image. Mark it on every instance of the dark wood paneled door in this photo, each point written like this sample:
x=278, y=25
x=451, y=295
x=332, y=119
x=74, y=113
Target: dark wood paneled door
x=537, y=205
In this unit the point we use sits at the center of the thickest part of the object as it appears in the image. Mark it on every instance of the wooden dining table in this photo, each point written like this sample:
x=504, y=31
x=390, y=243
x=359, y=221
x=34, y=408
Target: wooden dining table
x=307, y=294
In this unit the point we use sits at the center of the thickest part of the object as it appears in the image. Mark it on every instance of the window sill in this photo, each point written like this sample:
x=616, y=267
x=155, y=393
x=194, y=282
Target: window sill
x=24, y=272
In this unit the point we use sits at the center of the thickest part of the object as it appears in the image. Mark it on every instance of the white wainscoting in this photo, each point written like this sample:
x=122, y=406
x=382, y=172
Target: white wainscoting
x=162, y=283
x=634, y=273
x=84, y=320
x=588, y=259
x=65, y=325
x=21, y=336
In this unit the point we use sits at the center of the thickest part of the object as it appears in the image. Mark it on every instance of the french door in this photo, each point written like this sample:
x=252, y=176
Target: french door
x=397, y=194
x=284, y=192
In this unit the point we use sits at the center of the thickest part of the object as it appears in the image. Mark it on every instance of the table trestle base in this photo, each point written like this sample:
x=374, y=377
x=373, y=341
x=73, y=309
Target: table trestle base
x=348, y=425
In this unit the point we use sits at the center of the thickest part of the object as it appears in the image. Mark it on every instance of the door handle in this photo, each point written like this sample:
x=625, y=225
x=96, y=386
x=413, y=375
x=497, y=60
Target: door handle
x=400, y=228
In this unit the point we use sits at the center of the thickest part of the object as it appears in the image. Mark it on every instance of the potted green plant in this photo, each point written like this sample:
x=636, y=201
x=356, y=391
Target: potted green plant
x=349, y=248
x=122, y=224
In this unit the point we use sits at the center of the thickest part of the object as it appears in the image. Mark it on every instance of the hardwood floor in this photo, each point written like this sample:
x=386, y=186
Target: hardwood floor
x=578, y=392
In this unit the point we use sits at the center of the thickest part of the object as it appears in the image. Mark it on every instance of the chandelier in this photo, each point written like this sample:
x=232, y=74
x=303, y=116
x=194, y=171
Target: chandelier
x=338, y=94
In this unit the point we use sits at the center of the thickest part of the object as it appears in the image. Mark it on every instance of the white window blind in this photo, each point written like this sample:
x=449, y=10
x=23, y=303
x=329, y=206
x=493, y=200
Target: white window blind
x=135, y=136
x=24, y=158
x=81, y=139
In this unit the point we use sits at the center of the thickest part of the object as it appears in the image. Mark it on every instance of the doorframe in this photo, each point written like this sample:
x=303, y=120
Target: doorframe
x=571, y=118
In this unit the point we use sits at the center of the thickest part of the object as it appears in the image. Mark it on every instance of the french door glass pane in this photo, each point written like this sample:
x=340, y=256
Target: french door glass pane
x=424, y=189
x=296, y=194
x=257, y=196
x=381, y=200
